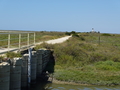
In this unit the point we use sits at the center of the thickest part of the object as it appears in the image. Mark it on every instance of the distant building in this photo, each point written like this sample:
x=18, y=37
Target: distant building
x=93, y=31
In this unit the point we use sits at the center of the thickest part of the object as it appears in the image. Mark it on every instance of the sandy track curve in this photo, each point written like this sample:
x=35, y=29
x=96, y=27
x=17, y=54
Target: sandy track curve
x=59, y=40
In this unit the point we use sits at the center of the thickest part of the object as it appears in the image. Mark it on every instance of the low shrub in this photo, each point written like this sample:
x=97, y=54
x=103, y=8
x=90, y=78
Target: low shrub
x=75, y=35
x=96, y=57
x=106, y=34
x=108, y=65
x=45, y=45
x=12, y=54
x=67, y=33
x=82, y=38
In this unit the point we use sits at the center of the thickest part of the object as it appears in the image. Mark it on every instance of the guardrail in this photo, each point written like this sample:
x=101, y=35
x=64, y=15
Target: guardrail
x=16, y=41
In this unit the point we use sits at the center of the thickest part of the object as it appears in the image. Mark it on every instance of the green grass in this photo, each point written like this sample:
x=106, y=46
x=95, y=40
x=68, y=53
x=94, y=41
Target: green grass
x=94, y=59
x=88, y=75
x=13, y=55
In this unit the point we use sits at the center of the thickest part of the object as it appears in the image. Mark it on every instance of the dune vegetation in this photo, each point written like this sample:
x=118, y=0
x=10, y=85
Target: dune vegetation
x=88, y=58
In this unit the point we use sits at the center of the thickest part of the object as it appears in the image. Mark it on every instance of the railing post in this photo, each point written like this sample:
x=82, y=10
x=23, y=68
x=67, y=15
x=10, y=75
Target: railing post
x=28, y=40
x=8, y=42
x=34, y=38
x=19, y=41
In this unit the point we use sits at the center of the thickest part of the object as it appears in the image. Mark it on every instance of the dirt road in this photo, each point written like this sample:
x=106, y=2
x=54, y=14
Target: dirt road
x=59, y=40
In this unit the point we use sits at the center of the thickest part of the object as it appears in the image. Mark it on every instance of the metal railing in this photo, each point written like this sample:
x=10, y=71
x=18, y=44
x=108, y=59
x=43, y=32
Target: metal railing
x=16, y=41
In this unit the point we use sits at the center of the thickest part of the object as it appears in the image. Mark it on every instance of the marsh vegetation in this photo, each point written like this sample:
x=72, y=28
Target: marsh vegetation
x=88, y=58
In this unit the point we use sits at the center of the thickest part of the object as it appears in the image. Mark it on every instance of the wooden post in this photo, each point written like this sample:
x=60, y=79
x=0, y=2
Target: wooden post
x=34, y=38
x=8, y=42
x=19, y=41
x=28, y=40
x=99, y=38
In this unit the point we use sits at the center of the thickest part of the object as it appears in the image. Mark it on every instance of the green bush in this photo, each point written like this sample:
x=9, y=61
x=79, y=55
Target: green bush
x=82, y=38
x=45, y=45
x=12, y=54
x=96, y=57
x=73, y=32
x=106, y=34
x=75, y=35
x=67, y=33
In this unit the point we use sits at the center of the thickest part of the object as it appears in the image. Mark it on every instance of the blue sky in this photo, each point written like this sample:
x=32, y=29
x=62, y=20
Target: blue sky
x=60, y=15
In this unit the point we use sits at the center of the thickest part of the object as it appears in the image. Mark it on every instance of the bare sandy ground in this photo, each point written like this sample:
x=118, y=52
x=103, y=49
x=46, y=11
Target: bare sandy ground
x=59, y=40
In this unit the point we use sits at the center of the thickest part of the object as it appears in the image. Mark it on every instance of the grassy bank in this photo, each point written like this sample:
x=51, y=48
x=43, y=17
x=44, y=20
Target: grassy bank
x=88, y=58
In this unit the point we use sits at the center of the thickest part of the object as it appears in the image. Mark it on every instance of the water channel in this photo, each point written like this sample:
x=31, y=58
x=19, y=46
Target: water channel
x=52, y=86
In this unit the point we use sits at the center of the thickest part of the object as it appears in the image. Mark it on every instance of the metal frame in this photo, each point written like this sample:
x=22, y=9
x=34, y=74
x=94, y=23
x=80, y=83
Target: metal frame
x=19, y=44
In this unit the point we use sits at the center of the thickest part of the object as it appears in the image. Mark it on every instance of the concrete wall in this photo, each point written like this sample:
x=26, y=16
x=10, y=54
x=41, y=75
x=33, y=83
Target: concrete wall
x=14, y=75
x=4, y=76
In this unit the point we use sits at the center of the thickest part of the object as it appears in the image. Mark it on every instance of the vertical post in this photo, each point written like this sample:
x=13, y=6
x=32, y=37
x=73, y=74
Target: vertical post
x=29, y=66
x=34, y=38
x=99, y=38
x=8, y=42
x=19, y=41
x=28, y=40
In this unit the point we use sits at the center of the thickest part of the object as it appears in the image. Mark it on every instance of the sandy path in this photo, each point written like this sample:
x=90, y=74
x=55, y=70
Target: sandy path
x=59, y=40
